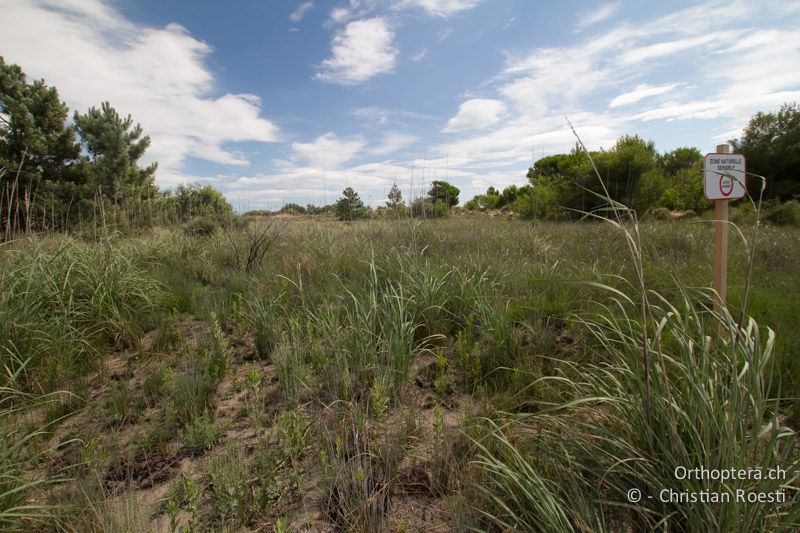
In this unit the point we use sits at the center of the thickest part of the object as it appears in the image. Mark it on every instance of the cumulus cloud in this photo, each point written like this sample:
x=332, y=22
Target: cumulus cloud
x=339, y=15
x=328, y=150
x=360, y=51
x=477, y=113
x=298, y=14
x=158, y=75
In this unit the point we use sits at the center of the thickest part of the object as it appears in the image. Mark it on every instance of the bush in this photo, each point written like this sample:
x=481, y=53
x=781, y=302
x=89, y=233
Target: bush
x=786, y=214
x=659, y=213
x=201, y=227
x=425, y=208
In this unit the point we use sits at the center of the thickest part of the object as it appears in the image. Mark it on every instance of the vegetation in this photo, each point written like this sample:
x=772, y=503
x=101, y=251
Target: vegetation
x=443, y=191
x=205, y=371
x=350, y=206
x=771, y=144
x=343, y=371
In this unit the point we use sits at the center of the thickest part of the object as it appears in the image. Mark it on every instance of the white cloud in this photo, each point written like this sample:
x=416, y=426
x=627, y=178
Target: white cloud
x=311, y=184
x=725, y=78
x=597, y=15
x=298, y=14
x=440, y=8
x=372, y=114
x=339, y=15
x=556, y=78
x=419, y=55
x=381, y=116
x=641, y=92
x=666, y=48
x=328, y=150
x=393, y=142
x=362, y=50
x=477, y=113
x=158, y=75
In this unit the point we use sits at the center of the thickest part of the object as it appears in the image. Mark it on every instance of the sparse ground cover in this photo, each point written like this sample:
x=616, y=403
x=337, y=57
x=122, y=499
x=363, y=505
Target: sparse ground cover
x=303, y=374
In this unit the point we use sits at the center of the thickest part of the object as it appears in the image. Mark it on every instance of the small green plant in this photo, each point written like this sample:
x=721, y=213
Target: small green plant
x=254, y=402
x=123, y=406
x=253, y=380
x=443, y=383
x=219, y=352
x=269, y=487
x=282, y=525
x=183, y=492
x=231, y=495
x=378, y=399
x=201, y=434
x=441, y=467
x=293, y=434
x=190, y=395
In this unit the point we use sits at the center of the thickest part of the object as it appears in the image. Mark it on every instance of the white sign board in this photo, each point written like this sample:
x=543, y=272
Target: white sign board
x=724, y=176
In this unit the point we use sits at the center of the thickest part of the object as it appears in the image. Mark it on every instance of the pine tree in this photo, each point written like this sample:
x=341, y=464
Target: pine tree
x=350, y=206
x=395, y=198
x=41, y=173
x=115, y=146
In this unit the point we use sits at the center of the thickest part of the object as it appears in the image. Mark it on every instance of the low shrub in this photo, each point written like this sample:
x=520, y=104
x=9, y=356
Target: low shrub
x=201, y=227
x=785, y=214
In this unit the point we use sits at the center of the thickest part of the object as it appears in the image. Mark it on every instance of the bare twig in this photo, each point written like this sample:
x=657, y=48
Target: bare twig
x=259, y=240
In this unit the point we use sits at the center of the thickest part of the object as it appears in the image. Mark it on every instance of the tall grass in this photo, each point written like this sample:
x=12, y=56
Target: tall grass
x=61, y=301
x=19, y=511
x=665, y=398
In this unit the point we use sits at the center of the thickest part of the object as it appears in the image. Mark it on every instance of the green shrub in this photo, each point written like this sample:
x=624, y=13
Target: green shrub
x=201, y=434
x=785, y=214
x=201, y=227
x=231, y=496
x=293, y=437
x=659, y=213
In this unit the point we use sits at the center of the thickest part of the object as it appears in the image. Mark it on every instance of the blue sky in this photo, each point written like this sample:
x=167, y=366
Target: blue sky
x=291, y=101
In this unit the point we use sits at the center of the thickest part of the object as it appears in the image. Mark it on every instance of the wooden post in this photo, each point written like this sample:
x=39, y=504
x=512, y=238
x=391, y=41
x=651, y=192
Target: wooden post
x=721, y=245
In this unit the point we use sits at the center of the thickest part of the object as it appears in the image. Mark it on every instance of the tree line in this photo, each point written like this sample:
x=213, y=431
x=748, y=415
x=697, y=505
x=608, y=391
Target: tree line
x=565, y=186
x=55, y=174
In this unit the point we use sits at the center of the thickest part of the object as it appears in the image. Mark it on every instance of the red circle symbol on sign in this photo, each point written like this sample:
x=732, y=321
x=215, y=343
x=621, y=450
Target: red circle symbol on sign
x=725, y=183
